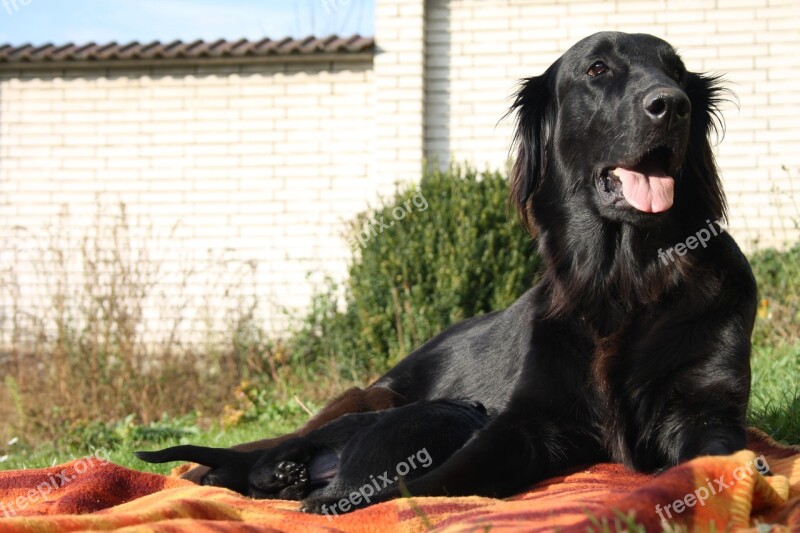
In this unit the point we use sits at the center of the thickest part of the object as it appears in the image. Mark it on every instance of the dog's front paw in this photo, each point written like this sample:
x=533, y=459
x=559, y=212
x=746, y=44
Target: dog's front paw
x=285, y=480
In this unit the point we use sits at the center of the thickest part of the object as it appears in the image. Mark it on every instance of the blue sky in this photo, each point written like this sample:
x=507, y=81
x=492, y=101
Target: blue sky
x=81, y=21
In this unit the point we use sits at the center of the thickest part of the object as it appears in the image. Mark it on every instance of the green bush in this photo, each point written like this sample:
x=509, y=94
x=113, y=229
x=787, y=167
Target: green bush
x=455, y=253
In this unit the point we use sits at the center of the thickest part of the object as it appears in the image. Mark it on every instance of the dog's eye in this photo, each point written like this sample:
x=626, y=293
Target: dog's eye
x=597, y=68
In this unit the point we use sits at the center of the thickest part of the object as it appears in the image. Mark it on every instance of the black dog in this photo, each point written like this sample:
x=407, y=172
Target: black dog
x=616, y=354
x=363, y=453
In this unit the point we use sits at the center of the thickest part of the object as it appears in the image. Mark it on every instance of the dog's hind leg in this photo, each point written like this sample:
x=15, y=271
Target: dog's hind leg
x=354, y=400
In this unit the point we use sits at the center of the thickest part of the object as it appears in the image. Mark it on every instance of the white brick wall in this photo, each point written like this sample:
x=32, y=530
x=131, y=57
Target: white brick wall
x=477, y=50
x=399, y=90
x=252, y=163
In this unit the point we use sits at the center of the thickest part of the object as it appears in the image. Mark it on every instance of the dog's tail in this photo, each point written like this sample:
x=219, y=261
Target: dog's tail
x=212, y=457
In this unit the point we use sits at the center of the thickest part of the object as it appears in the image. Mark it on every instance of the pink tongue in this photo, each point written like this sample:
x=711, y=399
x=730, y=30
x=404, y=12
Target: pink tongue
x=651, y=193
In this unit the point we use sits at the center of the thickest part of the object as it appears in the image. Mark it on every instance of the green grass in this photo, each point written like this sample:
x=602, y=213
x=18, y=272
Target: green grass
x=775, y=395
x=119, y=440
x=121, y=452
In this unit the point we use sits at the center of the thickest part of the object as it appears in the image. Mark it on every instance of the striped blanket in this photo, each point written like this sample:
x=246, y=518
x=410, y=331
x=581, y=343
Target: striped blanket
x=724, y=493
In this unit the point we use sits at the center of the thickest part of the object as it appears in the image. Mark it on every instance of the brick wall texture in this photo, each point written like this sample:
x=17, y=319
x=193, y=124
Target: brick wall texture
x=221, y=170
x=238, y=179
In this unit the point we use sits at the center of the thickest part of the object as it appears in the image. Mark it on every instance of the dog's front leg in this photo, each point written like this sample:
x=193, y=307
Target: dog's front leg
x=515, y=450
x=707, y=409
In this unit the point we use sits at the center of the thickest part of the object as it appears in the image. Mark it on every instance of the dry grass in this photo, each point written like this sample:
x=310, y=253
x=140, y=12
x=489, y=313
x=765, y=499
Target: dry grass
x=83, y=348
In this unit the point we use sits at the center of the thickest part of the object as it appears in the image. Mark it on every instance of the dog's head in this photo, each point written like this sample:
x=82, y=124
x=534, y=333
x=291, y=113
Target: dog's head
x=617, y=123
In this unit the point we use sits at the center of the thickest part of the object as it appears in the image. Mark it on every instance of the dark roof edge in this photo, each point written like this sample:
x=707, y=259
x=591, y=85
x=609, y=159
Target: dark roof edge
x=178, y=53
x=183, y=63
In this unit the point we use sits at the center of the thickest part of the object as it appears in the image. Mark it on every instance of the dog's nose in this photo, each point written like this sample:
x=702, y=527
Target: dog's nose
x=667, y=105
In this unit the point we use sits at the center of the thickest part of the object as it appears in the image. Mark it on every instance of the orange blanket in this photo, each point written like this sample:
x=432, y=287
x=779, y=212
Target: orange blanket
x=730, y=492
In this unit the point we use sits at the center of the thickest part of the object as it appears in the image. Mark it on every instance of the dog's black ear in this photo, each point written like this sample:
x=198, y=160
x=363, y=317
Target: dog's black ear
x=706, y=93
x=535, y=108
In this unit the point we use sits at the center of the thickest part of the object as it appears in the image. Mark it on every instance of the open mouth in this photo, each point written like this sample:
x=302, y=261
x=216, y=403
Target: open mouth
x=645, y=185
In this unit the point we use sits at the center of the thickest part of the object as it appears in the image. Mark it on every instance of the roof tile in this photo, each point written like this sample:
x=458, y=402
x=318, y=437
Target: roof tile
x=156, y=50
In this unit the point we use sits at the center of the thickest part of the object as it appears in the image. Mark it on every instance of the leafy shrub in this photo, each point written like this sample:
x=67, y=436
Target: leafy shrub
x=456, y=253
